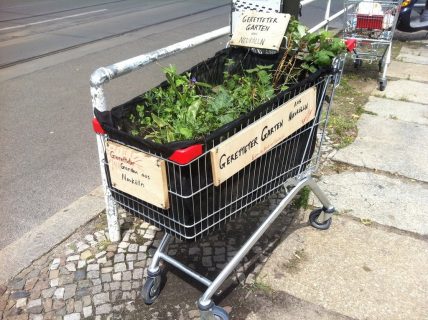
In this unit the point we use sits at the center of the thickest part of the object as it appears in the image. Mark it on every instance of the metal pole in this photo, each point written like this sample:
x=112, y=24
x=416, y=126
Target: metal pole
x=105, y=74
x=205, y=300
x=163, y=247
x=99, y=102
x=292, y=7
x=327, y=13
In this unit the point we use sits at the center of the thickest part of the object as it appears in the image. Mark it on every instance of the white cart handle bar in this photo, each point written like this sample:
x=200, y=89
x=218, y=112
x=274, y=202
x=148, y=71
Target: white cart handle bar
x=105, y=74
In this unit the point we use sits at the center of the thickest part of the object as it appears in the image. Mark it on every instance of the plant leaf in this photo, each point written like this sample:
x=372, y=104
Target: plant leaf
x=159, y=122
x=193, y=110
x=301, y=29
x=322, y=59
x=203, y=84
x=226, y=118
x=185, y=132
x=180, y=82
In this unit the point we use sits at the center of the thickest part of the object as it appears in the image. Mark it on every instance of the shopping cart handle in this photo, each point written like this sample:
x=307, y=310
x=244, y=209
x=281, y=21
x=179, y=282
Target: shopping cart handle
x=104, y=74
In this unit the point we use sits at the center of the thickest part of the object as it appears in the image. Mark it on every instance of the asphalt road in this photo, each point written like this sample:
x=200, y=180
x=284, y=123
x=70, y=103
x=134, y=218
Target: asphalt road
x=48, y=51
x=48, y=153
x=38, y=29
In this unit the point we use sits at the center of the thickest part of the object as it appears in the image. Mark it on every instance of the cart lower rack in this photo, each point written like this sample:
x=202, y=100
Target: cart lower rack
x=198, y=188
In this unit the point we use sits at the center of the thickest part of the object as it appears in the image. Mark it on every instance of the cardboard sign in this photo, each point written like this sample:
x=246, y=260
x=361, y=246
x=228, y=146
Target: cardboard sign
x=260, y=30
x=256, y=5
x=255, y=140
x=138, y=174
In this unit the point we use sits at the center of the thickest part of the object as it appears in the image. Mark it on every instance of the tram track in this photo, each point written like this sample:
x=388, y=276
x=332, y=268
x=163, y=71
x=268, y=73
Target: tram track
x=62, y=11
x=112, y=36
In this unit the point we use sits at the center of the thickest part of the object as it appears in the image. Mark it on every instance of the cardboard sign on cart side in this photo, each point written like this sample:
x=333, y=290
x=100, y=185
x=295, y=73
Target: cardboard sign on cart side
x=138, y=174
x=255, y=140
x=260, y=30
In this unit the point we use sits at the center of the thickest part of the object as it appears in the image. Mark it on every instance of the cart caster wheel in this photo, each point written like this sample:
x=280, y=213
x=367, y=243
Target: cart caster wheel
x=219, y=313
x=358, y=63
x=313, y=217
x=382, y=85
x=151, y=289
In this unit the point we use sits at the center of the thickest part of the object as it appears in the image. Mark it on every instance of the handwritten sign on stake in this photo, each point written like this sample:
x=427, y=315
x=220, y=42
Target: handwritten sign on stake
x=260, y=30
x=255, y=140
x=138, y=174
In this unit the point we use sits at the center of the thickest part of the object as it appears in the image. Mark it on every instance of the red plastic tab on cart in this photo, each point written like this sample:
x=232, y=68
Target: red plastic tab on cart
x=97, y=126
x=351, y=44
x=184, y=156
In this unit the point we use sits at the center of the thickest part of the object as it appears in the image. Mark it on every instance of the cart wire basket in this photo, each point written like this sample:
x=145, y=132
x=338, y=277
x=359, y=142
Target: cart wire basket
x=204, y=184
x=369, y=29
x=197, y=206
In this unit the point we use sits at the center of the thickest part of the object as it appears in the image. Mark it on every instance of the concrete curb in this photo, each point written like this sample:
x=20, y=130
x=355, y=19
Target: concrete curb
x=43, y=238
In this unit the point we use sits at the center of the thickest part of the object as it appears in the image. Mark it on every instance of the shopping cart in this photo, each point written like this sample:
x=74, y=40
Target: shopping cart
x=197, y=205
x=368, y=30
x=193, y=197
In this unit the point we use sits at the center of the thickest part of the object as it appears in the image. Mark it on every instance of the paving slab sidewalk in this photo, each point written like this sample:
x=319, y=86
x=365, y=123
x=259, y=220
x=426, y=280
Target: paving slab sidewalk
x=353, y=269
x=399, y=110
x=413, y=55
x=371, y=263
x=398, y=69
x=389, y=145
x=399, y=203
x=405, y=90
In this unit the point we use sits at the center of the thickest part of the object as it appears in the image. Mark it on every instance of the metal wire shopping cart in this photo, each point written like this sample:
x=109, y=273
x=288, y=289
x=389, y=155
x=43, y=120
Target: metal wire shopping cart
x=195, y=189
x=369, y=29
x=197, y=204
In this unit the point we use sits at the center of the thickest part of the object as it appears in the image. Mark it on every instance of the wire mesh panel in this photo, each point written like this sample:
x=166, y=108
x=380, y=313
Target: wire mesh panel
x=198, y=207
x=369, y=51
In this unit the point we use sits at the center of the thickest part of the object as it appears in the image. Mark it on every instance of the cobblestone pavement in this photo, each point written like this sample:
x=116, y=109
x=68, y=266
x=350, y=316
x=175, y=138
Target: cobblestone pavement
x=88, y=277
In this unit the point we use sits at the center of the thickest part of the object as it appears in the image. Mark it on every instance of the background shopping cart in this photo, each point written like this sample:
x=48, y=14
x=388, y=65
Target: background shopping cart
x=370, y=26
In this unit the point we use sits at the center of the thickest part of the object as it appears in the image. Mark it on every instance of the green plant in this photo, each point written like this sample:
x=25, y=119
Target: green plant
x=369, y=112
x=342, y=126
x=72, y=246
x=348, y=106
x=303, y=200
x=321, y=49
x=260, y=285
x=102, y=245
x=101, y=223
x=172, y=112
x=366, y=222
x=293, y=265
x=305, y=51
x=187, y=109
